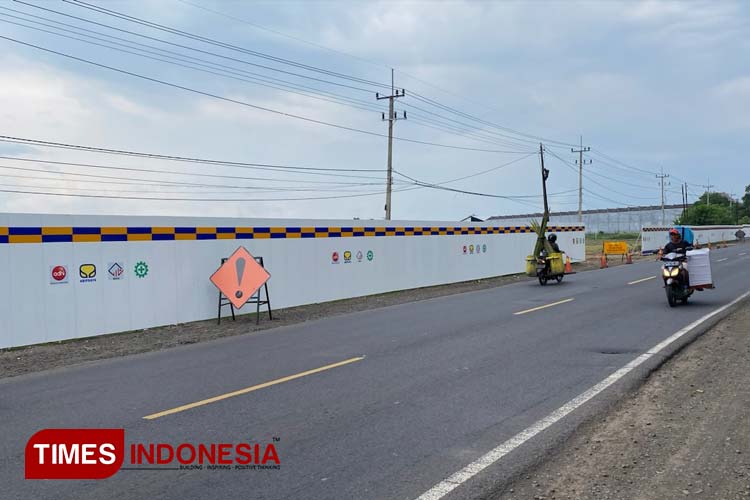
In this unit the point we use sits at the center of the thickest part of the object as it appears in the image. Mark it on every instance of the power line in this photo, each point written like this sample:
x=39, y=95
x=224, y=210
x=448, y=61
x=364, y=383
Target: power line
x=536, y=138
x=212, y=200
x=255, y=78
x=246, y=76
x=214, y=54
x=217, y=43
x=161, y=171
x=188, y=159
x=249, y=105
x=595, y=182
x=157, y=182
x=279, y=33
x=530, y=138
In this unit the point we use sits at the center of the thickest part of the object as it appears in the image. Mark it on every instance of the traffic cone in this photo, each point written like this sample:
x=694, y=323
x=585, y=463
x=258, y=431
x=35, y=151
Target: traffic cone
x=603, y=262
x=568, y=267
x=628, y=258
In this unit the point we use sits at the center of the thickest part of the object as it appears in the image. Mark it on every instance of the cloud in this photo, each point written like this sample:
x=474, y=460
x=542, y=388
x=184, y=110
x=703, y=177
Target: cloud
x=643, y=80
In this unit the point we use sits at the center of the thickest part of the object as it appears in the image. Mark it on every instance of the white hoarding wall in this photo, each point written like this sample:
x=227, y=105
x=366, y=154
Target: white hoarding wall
x=64, y=277
x=655, y=238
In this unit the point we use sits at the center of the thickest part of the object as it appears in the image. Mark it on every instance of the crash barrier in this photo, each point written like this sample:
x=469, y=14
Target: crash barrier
x=64, y=277
x=654, y=238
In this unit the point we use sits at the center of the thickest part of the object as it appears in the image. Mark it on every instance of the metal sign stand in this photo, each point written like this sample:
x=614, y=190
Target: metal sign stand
x=254, y=299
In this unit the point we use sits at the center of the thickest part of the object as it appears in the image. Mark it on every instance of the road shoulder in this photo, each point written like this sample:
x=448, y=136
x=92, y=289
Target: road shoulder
x=683, y=434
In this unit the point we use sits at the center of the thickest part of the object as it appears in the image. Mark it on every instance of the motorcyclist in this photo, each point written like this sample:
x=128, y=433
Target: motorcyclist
x=678, y=245
x=552, y=238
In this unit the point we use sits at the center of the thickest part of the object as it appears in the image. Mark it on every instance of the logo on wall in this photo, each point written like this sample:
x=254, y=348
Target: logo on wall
x=58, y=275
x=370, y=255
x=471, y=249
x=484, y=248
x=465, y=250
x=335, y=258
x=359, y=255
x=140, y=269
x=347, y=257
x=87, y=272
x=116, y=271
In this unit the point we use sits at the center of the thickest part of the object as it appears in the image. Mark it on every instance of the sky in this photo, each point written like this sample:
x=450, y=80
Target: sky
x=649, y=86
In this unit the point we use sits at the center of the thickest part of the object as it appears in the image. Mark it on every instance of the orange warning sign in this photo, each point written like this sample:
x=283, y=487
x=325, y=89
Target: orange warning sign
x=239, y=277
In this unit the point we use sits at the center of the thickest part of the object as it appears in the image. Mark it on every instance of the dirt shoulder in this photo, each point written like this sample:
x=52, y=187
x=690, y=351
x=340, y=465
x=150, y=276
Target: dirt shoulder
x=684, y=434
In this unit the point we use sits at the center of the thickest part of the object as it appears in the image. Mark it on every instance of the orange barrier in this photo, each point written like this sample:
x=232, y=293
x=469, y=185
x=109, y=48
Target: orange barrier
x=603, y=262
x=568, y=267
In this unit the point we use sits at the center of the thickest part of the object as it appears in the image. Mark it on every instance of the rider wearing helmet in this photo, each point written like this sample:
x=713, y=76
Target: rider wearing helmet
x=676, y=243
x=552, y=238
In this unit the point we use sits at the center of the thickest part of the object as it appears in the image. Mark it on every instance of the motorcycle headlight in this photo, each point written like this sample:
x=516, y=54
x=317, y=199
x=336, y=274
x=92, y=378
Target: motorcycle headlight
x=674, y=272
x=665, y=271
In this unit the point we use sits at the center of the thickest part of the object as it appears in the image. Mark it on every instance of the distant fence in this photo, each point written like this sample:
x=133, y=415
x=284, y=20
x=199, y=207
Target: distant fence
x=65, y=277
x=654, y=238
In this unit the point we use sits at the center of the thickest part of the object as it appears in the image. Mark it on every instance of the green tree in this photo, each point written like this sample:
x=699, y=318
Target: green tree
x=745, y=209
x=706, y=215
x=721, y=199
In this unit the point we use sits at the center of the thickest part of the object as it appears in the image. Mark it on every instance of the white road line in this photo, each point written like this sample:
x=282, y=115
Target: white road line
x=722, y=260
x=641, y=280
x=444, y=487
x=743, y=253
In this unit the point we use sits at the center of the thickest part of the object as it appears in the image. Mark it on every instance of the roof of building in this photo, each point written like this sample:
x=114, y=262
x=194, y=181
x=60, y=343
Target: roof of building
x=585, y=212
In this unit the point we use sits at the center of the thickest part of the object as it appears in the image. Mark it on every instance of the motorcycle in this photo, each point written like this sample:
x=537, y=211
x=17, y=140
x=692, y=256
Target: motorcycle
x=676, y=279
x=544, y=270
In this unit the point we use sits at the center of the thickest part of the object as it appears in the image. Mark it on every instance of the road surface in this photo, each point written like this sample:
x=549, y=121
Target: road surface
x=381, y=404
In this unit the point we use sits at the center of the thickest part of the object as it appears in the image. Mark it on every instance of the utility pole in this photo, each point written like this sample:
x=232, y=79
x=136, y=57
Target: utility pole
x=545, y=174
x=661, y=177
x=708, y=191
x=391, y=118
x=581, y=162
x=733, y=205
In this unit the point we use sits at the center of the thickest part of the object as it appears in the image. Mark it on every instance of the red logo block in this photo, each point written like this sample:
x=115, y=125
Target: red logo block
x=75, y=453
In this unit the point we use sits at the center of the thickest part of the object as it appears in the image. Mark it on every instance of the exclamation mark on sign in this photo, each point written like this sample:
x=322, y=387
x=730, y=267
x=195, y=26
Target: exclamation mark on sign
x=240, y=267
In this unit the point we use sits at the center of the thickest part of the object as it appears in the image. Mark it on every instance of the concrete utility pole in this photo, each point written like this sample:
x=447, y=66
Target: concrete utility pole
x=545, y=174
x=733, y=205
x=708, y=191
x=391, y=118
x=581, y=162
x=661, y=177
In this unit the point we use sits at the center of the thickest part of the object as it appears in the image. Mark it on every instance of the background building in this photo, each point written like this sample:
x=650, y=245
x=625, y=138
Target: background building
x=607, y=220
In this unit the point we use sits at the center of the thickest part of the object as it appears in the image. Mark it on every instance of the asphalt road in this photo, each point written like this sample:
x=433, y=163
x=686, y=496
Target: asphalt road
x=442, y=382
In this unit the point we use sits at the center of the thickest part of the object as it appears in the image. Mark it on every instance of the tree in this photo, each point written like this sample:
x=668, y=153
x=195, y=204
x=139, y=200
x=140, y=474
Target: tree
x=706, y=215
x=745, y=211
x=721, y=199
